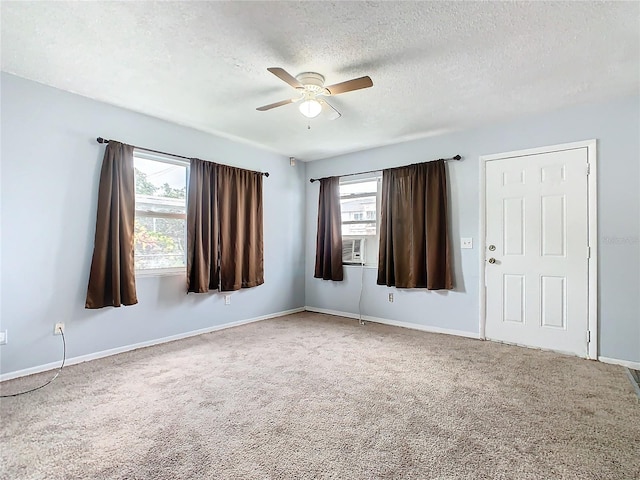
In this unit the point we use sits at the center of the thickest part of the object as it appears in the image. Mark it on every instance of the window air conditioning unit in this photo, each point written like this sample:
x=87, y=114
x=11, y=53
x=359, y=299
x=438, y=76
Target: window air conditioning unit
x=353, y=250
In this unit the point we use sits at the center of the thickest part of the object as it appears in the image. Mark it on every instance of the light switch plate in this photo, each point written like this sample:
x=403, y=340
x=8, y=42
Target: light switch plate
x=466, y=242
x=3, y=337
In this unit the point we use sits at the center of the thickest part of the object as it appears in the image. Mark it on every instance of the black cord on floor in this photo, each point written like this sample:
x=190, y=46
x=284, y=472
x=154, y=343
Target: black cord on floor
x=64, y=357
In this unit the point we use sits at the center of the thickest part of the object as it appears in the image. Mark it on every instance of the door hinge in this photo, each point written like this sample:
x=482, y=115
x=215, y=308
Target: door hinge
x=588, y=252
x=588, y=168
x=588, y=336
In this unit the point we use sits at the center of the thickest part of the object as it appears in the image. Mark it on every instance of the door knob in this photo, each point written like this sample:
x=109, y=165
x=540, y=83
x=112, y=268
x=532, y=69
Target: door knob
x=492, y=260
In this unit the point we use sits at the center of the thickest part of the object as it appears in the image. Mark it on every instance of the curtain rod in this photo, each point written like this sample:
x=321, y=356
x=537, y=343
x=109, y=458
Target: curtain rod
x=457, y=157
x=103, y=140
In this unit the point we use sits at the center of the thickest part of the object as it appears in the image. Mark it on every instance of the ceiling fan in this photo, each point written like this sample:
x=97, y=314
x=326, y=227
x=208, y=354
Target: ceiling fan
x=311, y=89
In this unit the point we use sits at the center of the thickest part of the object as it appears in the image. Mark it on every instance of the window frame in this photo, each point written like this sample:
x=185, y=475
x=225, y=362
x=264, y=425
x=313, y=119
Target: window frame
x=364, y=178
x=165, y=271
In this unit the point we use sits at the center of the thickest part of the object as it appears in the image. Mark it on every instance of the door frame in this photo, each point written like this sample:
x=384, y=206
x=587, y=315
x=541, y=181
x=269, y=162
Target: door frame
x=592, y=232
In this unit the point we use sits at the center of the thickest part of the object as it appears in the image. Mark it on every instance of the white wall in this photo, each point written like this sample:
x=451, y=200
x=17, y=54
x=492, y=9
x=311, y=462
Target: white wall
x=50, y=170
x=615, y=125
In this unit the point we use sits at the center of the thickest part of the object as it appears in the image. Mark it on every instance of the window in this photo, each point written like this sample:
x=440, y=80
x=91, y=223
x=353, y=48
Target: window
x=359, y=205
x=161, y=213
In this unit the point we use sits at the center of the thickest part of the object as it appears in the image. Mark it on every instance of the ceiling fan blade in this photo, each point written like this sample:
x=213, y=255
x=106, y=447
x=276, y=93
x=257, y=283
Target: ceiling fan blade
x=274, y=105
x=330, y=110
x=350, y=85
x=285, y=76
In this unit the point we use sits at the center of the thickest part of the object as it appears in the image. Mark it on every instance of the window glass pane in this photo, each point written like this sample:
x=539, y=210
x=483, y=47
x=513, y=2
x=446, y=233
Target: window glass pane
x=359, y=219
x=370, y=186
x=359, y=209
x=160, y=186
x=159, y=242
x=359, y=229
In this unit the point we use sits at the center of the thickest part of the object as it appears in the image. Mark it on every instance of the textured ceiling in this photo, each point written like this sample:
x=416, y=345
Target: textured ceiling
x=436, y=66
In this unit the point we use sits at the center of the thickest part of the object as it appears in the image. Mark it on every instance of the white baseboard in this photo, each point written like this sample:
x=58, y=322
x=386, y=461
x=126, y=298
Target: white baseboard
x=624, y=363
x=148, y=343
x=395, y=323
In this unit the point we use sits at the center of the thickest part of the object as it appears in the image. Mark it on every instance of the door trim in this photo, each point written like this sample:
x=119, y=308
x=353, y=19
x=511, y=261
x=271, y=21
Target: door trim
x=592, y=222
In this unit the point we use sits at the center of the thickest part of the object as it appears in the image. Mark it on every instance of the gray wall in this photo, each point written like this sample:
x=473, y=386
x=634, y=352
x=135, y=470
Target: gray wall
x=615, y=125
x=50, y=169
x=50, y=166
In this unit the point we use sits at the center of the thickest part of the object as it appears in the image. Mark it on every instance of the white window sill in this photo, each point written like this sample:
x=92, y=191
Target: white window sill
x=358, y=266
x=162, y=272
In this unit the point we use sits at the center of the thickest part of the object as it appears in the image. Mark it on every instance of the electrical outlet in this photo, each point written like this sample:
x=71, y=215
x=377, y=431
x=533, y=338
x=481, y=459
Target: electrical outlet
x=391, y=297
x=58, y=329
x=227, y=299
x=3, y=337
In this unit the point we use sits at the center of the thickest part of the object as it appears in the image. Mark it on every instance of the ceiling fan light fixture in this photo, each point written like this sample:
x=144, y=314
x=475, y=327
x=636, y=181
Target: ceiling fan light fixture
x=310, y=108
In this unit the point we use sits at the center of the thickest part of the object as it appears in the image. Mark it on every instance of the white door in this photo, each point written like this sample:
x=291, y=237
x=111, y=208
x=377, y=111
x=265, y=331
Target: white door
x=536, y=250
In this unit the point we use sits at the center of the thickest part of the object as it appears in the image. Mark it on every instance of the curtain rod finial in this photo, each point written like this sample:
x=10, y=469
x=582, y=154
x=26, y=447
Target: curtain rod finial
x=101, y=140
x=266, y=174
x=457, y=157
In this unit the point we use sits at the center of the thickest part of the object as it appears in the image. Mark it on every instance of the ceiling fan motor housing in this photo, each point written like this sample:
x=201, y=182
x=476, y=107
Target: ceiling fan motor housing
x=313, y=82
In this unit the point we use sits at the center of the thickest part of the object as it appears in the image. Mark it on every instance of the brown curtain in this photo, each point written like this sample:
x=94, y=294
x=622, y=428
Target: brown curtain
x=203, y=273
x=414, y=237
x=241, y=235
x=329, y=237
x=112, y=280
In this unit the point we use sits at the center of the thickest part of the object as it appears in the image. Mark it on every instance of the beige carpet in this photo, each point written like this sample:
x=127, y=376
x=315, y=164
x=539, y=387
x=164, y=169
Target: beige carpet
x=316, y=396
